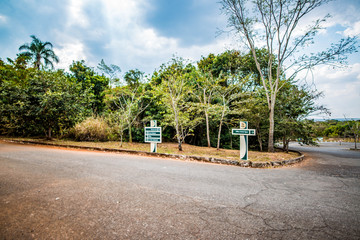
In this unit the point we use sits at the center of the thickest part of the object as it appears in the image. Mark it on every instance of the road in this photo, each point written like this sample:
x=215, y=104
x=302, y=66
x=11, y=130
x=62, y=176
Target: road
x=54, y=193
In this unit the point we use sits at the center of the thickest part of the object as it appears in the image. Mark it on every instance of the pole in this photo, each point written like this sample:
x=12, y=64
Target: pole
x=153, y=146
x=243, y=142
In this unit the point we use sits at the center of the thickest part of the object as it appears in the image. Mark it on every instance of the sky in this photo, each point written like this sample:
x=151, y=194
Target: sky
x=143, y=34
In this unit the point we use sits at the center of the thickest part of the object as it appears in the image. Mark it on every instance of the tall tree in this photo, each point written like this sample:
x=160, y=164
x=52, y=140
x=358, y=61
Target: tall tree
x=273, y=24
x=39, y=51
x=175, y=91
x=226, y=95
x=127, y=102
x=131, y=103
x=205, y=88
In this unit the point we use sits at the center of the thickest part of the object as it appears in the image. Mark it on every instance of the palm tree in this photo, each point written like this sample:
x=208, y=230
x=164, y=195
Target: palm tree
x=39, y=50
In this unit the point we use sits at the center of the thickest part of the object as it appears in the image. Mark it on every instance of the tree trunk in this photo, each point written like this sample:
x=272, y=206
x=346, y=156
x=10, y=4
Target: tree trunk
x=284, y=143
x=231, y=145
x=219, y=135
x=207, y=128
x=287, y=146
x=271, y=126
x=121, y=140
x=177, y=130
x=180, y=146
x=130, y=135
x=49, y=133
x=259, y=139
x=355, y=141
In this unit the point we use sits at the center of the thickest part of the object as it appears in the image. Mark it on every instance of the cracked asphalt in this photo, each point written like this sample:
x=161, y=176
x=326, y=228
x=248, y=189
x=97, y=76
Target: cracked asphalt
x=55, y=193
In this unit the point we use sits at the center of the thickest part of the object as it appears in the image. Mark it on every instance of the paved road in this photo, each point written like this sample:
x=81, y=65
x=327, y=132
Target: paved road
x=53, y=193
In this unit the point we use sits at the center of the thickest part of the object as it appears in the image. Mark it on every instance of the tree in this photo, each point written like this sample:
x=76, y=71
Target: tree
x=118, y=121
x=353, y=130
x=91, y=83
x=295, y=103
x=61, y=104
x=278, y=20
x=111, y=71
x=235, y=73
x=128, y=102
x=38, y=51
x=133, y=77
x=175, y=90
x=205, y=88
x=226, y=95
x=253, y=106
x=39, y=102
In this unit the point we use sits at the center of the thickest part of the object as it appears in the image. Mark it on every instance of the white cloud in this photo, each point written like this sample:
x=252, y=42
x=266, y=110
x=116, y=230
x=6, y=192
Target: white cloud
x=3, y=19
x=134, y=44
x=353, y=30
x=69, y=52
x=350, y=73
x=341, y=88
x=76, y=15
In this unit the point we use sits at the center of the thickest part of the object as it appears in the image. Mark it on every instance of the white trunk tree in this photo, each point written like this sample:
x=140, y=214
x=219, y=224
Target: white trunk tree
x=174, y=92
x=274, y=25
x=206, y=87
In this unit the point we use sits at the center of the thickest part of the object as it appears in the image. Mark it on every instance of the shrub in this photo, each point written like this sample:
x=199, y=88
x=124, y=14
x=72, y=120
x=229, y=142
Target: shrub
x=92, y=129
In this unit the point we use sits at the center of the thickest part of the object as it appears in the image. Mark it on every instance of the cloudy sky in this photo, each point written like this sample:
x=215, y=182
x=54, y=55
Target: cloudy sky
x=144, y=34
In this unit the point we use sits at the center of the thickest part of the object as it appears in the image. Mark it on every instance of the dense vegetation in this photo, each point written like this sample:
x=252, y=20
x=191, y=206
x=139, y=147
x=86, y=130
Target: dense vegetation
x=338, y=129
x=195, y=103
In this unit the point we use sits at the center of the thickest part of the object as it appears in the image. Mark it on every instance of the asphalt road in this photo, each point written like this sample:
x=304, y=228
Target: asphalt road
x=53, y=193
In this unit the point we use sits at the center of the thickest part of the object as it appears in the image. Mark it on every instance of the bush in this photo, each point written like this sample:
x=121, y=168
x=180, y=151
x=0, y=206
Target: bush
x=92, y=129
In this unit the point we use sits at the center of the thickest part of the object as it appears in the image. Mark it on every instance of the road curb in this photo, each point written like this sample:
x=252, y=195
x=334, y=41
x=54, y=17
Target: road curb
x=269, y=164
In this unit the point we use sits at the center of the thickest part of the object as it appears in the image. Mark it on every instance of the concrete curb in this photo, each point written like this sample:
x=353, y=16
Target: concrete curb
x=269, y=164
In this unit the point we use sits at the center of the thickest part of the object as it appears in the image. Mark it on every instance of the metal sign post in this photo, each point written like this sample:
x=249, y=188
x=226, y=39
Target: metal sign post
x=244, y=132
x=153, y=135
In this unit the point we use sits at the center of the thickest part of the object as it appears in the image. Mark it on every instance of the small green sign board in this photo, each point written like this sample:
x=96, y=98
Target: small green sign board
x=153, y=134
x=250, y=132
x=244, y=132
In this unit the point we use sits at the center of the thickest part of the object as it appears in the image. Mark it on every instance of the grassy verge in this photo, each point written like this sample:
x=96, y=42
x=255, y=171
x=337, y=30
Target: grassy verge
x=171, y=148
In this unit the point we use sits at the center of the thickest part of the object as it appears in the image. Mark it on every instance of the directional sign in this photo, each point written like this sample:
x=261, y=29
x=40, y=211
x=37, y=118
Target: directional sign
x=153, y=134
x=244, y=132
x=250, y=132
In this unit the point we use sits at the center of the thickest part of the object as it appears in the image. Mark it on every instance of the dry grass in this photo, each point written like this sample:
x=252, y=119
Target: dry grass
x=172, y=148
x=92, y=129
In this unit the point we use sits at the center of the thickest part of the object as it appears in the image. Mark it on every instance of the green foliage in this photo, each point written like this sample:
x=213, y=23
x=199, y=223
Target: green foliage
x=38, y=102
x=126, y=104
x=91, y=83
x=92, y=129
x=294, y=104
x=174, y=90
x=335, y=128
x=133, y=77
x=235, y=66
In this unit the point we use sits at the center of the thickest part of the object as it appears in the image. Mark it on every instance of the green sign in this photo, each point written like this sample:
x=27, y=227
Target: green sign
x=243, y=132
x=153, y=134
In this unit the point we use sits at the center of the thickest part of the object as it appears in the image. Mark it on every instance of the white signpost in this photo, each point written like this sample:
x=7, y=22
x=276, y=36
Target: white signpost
x=244, y=132
x=153, y=135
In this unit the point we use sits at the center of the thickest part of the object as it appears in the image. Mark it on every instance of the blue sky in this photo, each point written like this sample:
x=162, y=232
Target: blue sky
x=144, y=34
